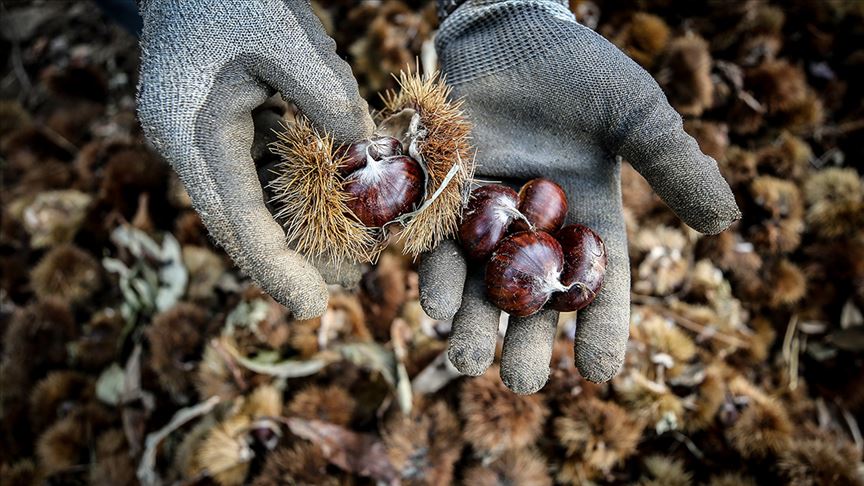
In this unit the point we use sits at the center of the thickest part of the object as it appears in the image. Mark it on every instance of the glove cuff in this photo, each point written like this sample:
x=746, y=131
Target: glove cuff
x=482, y=37
x=447, y=7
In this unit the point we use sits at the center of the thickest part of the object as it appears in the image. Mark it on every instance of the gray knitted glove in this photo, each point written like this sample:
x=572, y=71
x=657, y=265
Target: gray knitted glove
x=205, y=64
x=552, y=98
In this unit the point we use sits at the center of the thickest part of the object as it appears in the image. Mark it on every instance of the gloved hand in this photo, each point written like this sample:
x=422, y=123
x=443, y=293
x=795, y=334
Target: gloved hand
x=205, y=64
x=550, y=97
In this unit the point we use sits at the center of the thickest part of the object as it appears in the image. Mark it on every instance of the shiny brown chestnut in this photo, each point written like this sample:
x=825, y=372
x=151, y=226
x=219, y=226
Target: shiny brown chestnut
x=490, y=211
x=523, y=272
x=382, y=187
x=544, y=205
x=585, y=262
x=353, y=156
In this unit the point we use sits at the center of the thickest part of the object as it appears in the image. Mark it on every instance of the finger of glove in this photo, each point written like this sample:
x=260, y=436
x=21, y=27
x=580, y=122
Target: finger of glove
x=650, y=135
x=317, y=80
x=528, y=351
x=603, y=327
x=442, y=279
x=344, y=274
x=225, y=189
x=474, y=333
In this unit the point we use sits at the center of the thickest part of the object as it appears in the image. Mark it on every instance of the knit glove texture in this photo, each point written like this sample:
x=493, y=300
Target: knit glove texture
x=552, y=98
x=205, y=64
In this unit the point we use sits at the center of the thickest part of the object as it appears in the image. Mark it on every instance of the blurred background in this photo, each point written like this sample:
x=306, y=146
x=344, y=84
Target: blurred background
x=134, y=352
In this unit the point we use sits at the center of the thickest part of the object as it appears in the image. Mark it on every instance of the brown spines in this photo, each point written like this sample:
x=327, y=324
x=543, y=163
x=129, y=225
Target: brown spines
x=665, y=471
x=424, y=446
x=443, y=142
x=643, y=38
x=58, y=394
x=762, y=428
x=331, y=404
x=817, y=462
x=780, y=85
x=596, y=435
x=835, y=202
x=99, y=343
x=310, y=199
x=176, y=339
x=688, y=63
x=495, y=418
x=523, y=467
x=777, y=215
x=69, y=273
x=785, y=284
x=114, y=462
x=300, y=464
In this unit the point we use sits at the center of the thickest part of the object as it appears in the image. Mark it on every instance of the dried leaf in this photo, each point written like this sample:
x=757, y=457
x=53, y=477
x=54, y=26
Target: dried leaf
x=147, y=467
x=291, y=368
x=372, y=356
x=362, y=454
x=109, y=386
x=851, y=339
x=435, y=376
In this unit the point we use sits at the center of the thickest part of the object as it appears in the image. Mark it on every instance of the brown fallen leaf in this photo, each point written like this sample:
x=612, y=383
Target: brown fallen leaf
x=362, y=454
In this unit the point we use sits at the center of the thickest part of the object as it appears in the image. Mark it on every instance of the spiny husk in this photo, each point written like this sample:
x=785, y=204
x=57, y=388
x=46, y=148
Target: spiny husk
x=311, y=202
x=446, y=142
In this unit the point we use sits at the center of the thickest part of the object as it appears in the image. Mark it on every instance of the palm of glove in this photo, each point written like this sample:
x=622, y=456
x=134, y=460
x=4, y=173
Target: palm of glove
x=551, y=98
x=205, y=65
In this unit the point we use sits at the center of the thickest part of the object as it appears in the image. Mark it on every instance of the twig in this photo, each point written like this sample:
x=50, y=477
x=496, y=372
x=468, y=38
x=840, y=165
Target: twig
x=699, y=329
x=852, y=423
x=230, y=363
x=839, y=129
x=691, y=446
x=147, y=467
x=791, y=347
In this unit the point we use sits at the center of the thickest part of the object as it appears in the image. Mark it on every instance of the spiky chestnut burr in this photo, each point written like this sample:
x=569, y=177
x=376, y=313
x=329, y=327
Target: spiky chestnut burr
x=544, y=205
x=584, y=267
x=437, y=135
x=382, y=183
x=309, y=191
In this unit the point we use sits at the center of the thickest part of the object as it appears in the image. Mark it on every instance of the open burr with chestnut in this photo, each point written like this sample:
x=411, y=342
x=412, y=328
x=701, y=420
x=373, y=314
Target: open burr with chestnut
x=533, y=263
x=343, y=203
x=382, y=182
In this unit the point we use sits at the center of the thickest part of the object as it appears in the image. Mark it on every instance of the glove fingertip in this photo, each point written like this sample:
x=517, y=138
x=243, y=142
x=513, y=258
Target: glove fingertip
x=442, y=281
x=294, y=283
x=528, y=351
x=469, y=359
x=599, y=363
x=724, y=213
x=522, y=383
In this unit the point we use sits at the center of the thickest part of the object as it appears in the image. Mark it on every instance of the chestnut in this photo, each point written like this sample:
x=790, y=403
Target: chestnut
x=490, y=211
x=353, y=156
x=523, y=272
x=383, y=183
x=584, y=267
x=544, y=205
